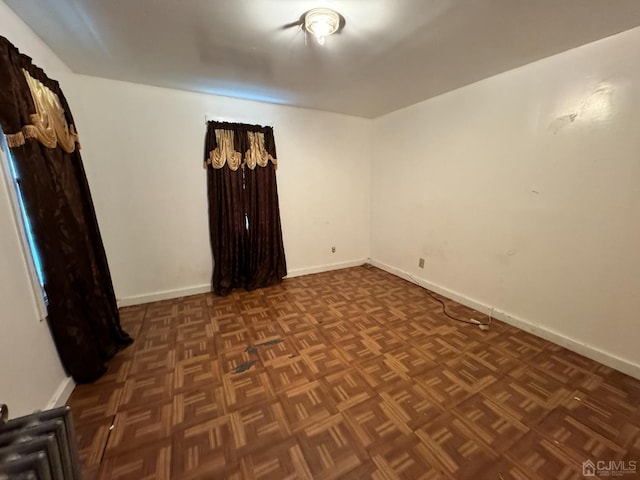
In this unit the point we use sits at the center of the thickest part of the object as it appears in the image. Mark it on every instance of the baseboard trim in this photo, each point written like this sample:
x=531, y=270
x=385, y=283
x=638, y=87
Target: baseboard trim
x=62, y=394
x=325, y=268
x=185, y=292
x=589, y=351
x=165, y=295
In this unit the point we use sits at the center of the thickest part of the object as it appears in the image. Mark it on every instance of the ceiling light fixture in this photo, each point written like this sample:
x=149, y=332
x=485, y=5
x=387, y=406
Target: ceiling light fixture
x=321, y=22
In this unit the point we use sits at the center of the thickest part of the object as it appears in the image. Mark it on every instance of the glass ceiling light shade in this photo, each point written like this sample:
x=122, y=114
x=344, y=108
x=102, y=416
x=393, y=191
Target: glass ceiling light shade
x=321, y=22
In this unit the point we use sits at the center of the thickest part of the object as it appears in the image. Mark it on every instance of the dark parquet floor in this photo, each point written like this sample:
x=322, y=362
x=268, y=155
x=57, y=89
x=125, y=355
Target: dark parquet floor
x=352, y=374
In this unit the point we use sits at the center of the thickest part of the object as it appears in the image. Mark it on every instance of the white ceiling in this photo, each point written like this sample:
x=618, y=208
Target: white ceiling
x=391, y=53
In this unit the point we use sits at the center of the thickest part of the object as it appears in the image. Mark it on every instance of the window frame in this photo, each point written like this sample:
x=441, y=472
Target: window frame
x=17, y=208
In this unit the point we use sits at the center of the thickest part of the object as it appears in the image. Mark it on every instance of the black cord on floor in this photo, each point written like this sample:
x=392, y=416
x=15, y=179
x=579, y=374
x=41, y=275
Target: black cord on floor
x=444, y=308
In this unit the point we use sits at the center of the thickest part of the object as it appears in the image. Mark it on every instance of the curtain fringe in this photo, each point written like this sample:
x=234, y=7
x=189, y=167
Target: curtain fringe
x=243, y=164
x=30, y=132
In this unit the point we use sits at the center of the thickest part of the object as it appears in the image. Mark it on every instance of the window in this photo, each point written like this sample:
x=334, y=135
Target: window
x=30, y=251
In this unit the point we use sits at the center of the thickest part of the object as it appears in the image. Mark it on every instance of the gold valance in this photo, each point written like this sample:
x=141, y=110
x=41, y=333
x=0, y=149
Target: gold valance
x=257, y=153
x=48, y=124
x=225, y=152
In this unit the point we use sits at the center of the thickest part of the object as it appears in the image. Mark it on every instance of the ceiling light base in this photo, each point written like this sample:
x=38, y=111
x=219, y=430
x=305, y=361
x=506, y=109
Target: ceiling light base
x=321, y=22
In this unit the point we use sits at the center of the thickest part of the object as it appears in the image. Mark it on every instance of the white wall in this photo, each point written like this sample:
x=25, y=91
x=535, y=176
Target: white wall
x=518, y=204
x=143, y=149
x=31, y=376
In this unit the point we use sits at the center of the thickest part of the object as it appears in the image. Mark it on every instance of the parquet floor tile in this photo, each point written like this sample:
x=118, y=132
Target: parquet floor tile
x=273, y=350
x=192, y=349
x=409, y=404
x=565, y=370
x=147, y=387
x=412, y=330
x=540, y=386
x=339, y=331
x=92, y=439
x=404, y=458
x=497, y=361
x=408, y=360
x=523, y=347
x=307, y=404
x=324, y=360
x=607, y=422
x=331, y=448
x=197, y=405
x=237, y=339
x=572, y=435
x=136, y=426
x=284, y=461
x=539, y=457
x=150, y=462
x=200, y=371
x=445, y=389
x=449, y=443
x=118, y=370
x=349, y=374
x=289, y=373
x=347, y=388
x=148, y=362
x=308, y=339
x=514, y=399
x=489, y=422
x=374, y=422
x=95, y=402
x=204, y=450
x=250, y=387
x=379, y=373
x=618, y=392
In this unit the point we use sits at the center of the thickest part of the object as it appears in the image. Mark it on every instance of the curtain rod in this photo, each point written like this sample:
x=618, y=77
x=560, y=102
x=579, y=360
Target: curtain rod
x=212, y=118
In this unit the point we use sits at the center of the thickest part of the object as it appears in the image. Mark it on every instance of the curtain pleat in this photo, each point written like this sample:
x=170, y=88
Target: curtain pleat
x=267, y=264
x=226, y=229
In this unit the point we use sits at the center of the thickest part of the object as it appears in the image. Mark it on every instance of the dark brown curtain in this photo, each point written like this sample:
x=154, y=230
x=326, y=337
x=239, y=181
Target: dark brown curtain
x=244, y=215
x=82, y=311
x=227, y=230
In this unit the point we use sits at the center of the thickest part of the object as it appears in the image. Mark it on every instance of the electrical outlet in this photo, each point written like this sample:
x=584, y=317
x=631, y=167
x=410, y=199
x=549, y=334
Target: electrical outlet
x=333, y=249
x=421, y=263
